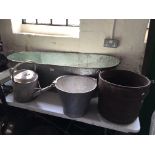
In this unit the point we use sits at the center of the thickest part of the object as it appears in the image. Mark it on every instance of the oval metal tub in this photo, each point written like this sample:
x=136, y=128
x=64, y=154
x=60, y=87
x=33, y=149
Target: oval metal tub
x=51, y=65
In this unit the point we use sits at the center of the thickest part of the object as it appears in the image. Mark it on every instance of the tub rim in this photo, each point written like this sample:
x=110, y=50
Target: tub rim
x=111, y=67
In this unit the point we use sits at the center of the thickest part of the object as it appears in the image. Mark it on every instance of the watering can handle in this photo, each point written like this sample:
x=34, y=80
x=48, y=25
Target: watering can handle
x=12, y=70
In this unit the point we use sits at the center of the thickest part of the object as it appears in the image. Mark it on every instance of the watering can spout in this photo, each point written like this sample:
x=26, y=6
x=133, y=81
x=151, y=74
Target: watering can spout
x=42, y=90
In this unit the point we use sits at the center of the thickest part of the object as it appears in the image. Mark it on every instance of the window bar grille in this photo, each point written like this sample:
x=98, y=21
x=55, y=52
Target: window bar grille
x=51, y=23
x=36, y=21
x=66, y=22
x=23, y=21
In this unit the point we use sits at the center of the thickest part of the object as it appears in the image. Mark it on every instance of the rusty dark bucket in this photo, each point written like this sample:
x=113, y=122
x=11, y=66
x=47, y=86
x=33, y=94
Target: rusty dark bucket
x=121, y=95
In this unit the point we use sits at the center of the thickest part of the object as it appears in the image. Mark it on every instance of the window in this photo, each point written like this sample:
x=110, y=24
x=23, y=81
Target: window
x=67, y=28
x=53, y=22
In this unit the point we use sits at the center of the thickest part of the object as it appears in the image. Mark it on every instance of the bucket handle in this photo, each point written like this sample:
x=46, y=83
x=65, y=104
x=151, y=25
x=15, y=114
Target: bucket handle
x=146, y=93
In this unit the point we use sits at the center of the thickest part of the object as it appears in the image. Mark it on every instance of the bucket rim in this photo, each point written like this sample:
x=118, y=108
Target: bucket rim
x=128, y=87
x=93, y=79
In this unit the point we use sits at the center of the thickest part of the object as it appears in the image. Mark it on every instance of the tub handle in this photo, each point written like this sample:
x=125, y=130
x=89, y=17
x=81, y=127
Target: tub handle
x=52, y=69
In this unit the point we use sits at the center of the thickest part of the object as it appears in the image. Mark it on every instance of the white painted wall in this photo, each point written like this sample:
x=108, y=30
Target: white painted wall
x=92, y=34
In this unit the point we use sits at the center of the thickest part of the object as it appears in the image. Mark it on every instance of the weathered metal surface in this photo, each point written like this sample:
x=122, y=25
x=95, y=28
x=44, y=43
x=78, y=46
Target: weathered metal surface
x=75, y=92
x=24, y=92
x=51, y=65
x=78, y=60
x=25, y=84
x=121, y=95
